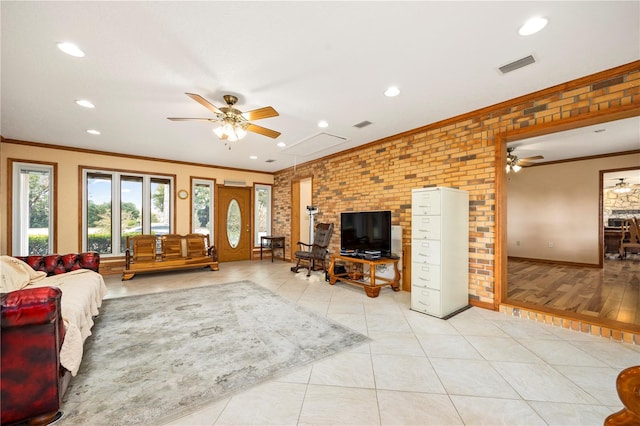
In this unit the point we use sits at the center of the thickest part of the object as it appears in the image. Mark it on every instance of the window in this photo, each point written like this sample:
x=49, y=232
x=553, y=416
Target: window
x=32, y=214
x=262, y=209
x=202, y=207
x=117, y=205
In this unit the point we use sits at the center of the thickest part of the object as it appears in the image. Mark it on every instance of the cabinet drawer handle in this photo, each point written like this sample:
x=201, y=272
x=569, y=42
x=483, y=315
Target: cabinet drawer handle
x=424, y=279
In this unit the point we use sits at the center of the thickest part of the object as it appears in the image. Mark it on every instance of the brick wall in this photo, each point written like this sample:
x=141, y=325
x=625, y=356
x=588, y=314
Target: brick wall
x=459, y=152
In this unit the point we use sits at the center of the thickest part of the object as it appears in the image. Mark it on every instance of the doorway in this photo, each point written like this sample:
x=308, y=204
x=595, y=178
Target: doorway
x=234, y=224
x=561, y=280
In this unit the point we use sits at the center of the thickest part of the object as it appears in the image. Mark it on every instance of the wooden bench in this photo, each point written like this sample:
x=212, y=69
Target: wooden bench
x=154, y=253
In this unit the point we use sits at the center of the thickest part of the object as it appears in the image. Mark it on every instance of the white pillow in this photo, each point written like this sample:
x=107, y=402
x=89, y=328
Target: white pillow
x=15, y=274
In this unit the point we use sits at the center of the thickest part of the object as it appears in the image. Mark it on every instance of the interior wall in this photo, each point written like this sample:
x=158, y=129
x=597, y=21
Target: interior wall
x=553, y=211
x=305, y=200
x=68, y=210
x=459, y=152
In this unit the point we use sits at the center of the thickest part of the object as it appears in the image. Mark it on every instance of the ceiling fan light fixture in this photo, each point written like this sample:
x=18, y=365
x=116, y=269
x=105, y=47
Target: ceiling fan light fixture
x=229, y=131
x=622, y=190
x=513, y=167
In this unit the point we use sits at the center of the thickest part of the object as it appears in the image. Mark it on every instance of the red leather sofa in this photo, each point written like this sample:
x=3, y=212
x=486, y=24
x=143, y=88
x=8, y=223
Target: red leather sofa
x=32, y=381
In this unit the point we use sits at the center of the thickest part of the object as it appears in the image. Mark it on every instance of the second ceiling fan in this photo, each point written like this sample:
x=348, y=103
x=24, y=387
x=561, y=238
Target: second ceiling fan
x=514, y=163
x=233, y=124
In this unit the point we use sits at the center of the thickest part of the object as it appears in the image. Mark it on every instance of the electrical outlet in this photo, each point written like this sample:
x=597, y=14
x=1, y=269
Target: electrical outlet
x=550, y=244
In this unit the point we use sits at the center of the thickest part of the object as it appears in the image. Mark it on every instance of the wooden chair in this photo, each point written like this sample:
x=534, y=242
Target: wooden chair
x=309, y=254
x=630, y=237
x=143, y=247
x=198, y=246
x=171, y=246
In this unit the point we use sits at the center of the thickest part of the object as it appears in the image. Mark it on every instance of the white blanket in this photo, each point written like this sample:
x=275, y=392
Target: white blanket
x=82, y=294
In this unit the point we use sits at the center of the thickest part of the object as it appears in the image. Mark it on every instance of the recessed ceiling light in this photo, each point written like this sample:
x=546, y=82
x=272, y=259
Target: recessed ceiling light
x=71, y=49
x=93, y=132
x=532, y=26
x=282, y=144
x=392, y=91
x=253, y=157
x=323, y=124
x=85, y=103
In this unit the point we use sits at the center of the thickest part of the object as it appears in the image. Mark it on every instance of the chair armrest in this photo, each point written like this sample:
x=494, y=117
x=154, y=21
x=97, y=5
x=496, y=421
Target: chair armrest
x=300, y=243
x=30, y=306
x=211, y=251
x=31, y=336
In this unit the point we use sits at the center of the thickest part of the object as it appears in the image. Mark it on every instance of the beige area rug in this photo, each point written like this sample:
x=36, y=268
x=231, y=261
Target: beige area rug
x=156, y=357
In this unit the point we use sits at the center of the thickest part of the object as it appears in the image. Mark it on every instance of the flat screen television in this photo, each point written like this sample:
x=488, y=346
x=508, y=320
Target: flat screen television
x=360, y=231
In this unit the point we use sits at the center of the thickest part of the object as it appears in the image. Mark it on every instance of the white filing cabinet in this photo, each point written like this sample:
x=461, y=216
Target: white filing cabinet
x=439, y=250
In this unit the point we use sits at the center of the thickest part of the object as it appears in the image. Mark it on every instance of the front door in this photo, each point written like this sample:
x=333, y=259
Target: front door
x=234, y=227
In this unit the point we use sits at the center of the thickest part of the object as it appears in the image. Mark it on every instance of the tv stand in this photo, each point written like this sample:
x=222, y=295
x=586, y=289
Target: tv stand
x=354, y=274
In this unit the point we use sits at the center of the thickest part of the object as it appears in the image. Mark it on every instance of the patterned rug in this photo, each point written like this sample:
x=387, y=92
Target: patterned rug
x=156, y=357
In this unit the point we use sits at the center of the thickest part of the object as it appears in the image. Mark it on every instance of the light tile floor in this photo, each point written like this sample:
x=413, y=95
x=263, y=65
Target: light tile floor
x=478, y=368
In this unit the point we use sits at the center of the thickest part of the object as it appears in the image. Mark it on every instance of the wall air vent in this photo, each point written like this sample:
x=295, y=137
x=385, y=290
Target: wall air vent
x=523, y=62
x=362, y=124
x=234, y=183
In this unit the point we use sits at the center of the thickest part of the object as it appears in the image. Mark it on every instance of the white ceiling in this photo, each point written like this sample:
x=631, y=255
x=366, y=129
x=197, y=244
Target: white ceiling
x=311, y=61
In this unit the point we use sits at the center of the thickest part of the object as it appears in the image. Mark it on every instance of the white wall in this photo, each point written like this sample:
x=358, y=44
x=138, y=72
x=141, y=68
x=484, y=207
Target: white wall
x=305, y=200
x=558, y=204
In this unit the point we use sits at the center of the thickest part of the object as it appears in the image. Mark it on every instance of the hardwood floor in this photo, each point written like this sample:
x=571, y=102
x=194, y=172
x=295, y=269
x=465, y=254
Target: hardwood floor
x=609, y=294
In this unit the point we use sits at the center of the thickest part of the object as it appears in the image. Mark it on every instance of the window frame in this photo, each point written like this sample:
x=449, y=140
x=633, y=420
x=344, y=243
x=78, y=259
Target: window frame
x=211, y=183
x=14, y=195
x=256, y=217
x=116, y=204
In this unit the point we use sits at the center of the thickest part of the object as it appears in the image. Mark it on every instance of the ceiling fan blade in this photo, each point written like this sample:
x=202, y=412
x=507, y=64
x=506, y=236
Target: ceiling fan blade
x=537, y=157
x=263, y=131
x=259, y=114
x=190, y=119
x=205, y=103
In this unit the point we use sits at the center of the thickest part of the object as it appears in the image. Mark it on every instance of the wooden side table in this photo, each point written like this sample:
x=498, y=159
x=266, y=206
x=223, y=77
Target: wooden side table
x=371, y=283
x=272, y=243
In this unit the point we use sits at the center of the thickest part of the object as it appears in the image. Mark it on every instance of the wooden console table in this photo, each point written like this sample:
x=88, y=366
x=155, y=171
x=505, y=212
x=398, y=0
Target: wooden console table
x=354, y=276
x=272, y=243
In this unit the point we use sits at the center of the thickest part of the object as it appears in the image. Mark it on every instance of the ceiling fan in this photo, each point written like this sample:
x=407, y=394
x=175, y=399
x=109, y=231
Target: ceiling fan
x=515, y=164
x=233, y=124
x=623, y=187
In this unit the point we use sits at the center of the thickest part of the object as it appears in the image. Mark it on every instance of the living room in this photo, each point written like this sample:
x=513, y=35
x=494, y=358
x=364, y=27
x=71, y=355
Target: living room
x=465, y=150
